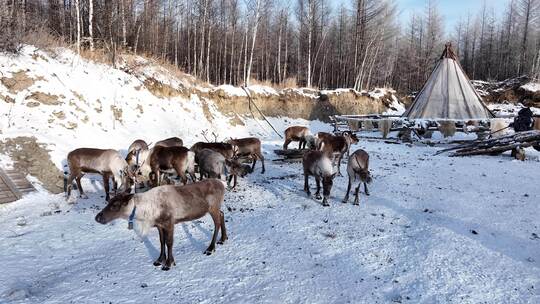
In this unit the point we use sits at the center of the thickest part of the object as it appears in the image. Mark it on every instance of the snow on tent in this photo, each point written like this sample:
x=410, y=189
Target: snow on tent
x=448, y=94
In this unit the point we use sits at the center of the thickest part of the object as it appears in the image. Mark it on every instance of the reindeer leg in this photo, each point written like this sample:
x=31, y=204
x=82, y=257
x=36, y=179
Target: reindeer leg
x=346, y=199
x=200, y=173
x=169, y=237
x=159, y=178
x=286, y=144
x=193, y=177
x=217, y=224
x=366, y=191
x=261, y=157
x=81, y=191
x=254, y=162
x=223, y=230
x=106, y=186
x=161, y=259
x=115, y=185
x=69, y=185
x=339, y=164
x=318, y=182
x=356, y=200
x=229, y=179
x=235, y=181
x=306, y=184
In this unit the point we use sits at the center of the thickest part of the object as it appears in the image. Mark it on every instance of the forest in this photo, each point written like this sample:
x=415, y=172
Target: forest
x=359, y=44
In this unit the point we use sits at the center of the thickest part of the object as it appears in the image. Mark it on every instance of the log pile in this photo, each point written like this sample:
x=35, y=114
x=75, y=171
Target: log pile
x=493, y=146
x=290, y=155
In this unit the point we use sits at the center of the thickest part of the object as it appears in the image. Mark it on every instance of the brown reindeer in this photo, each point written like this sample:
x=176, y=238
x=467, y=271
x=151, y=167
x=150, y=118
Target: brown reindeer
x=170, y=142
x=166, y=158
x=358, y=167
x=320, y=136
x=300, y=134
x=108, y=163
x=249, y=146
x=338, y=144
x=318, y=165
x=225, y=149
x=163, y=207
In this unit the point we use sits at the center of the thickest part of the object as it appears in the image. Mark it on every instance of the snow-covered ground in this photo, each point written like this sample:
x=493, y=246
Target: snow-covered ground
x=434, y=230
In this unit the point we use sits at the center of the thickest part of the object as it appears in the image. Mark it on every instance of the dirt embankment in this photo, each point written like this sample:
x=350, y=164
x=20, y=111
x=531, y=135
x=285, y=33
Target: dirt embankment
x=510, y=90
x=31, y=157
x=300, y=103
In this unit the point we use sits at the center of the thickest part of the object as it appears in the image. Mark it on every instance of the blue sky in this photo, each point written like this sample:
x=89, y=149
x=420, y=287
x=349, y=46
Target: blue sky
x=450, y=9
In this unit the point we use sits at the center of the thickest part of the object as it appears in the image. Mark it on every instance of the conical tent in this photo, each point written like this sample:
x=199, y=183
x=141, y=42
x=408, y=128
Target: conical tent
x=448, y=94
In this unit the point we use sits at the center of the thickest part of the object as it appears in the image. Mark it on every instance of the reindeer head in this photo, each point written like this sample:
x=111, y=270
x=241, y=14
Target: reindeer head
x=350, y=137
x=237, y=168
x=328, y=182
x=118, y=207
x=365, y=176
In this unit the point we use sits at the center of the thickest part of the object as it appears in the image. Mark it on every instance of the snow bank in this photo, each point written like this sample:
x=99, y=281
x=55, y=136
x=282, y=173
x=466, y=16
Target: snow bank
x=531, y=87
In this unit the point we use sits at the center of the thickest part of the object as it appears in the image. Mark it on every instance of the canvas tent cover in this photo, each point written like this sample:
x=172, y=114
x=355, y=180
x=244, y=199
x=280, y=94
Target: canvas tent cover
x=448, y=94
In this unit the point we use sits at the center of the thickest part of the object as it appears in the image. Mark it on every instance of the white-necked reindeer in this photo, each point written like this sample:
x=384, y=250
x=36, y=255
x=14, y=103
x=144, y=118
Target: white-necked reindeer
x=317, y=164
x=163, y=207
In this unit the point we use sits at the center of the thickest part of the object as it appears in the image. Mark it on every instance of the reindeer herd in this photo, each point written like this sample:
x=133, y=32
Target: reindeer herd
x=166, y=204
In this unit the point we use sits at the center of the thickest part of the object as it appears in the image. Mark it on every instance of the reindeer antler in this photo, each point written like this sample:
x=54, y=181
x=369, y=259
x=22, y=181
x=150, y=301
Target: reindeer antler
x=215, y=136
x=203, y=133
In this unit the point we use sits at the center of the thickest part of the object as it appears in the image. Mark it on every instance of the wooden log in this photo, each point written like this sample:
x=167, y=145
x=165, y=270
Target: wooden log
x=498, y=145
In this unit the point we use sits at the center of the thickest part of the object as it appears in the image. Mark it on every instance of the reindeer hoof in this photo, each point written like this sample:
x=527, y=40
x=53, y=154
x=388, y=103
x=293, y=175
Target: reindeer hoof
x=326, y=204
x=367, y=193
x=157, y=263
x=165, y=268
x=345, y=201
x=208, y=252
x=318, y=196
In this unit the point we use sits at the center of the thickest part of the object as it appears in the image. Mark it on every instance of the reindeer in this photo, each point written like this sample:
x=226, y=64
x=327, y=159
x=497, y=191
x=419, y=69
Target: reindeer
x=166, y=158
x=108, y=163
x=317, y=164
x=300, y=134
x=170, y=142
x=227, y=150
x=249, y=146
x=213, y=165
x=358, y=167
x=339, y=144
x=163, y=207
x=139, y=164
x=137, y=145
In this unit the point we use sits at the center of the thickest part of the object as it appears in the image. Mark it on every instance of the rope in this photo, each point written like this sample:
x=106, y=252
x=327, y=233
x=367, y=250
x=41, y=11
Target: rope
x=254, y=104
